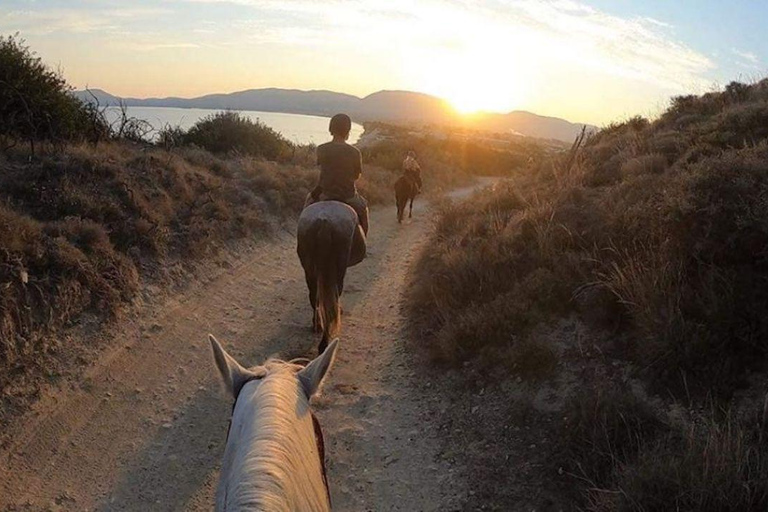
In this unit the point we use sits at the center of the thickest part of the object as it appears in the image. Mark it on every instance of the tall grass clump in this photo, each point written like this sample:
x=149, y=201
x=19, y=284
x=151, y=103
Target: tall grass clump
x=631, y=457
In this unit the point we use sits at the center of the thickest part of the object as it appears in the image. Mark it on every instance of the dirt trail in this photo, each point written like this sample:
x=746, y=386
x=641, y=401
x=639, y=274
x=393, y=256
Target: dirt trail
x=144, y=430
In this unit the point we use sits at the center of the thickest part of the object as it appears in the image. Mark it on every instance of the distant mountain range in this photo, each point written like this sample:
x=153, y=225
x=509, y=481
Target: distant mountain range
x=386, y=106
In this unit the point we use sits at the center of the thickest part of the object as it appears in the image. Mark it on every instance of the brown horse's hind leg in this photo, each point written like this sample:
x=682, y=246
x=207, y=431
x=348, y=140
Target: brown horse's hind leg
x=317, y=324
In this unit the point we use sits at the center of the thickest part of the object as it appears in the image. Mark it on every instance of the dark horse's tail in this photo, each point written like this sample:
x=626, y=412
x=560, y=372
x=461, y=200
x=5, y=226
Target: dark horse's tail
x=327, y=272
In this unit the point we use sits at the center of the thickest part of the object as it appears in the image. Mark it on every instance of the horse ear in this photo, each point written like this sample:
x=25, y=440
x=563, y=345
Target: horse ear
x=234, y=375
x=312, y=375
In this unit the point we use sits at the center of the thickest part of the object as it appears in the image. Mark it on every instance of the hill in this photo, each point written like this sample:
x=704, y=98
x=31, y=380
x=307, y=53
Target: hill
x=387, y=106
x=528, y=124
x=607, y=308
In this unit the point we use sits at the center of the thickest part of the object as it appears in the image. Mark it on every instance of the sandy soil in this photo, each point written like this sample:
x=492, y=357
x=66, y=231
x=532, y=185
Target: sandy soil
x=144, y=428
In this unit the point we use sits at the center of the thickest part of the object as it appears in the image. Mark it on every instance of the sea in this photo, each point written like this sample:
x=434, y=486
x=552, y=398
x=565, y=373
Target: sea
x=297, y=128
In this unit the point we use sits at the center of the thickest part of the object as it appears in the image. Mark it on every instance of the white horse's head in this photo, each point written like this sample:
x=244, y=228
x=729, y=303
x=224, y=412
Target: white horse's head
x=272, y=460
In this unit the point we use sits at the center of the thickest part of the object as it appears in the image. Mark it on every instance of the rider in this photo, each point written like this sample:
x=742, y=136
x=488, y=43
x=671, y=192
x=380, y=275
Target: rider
x=340, y=166
x=412, y=170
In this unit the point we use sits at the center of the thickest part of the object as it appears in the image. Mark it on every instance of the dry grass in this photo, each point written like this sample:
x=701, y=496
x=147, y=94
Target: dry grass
x=657, y=231
x=630, y=457
x=676, y=239
x=78, y=222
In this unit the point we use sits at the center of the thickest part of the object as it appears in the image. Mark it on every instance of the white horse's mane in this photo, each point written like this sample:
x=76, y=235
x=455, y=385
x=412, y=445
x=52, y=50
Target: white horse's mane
x=271, y=461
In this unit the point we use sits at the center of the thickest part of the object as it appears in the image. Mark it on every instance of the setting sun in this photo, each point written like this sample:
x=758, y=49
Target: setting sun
x=466, y=68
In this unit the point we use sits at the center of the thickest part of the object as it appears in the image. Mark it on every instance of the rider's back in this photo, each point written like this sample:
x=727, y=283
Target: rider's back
x=340, y=166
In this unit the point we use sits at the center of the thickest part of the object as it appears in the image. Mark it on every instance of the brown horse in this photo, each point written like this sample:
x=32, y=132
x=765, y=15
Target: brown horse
x=405, y=189
x=329, y=241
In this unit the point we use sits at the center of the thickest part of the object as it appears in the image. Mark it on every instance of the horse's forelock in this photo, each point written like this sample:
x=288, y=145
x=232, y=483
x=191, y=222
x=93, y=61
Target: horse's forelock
x=278, y=365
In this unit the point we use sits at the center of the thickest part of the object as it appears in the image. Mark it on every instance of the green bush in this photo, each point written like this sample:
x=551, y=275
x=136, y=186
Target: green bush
x=227, y=132
x=36, y=103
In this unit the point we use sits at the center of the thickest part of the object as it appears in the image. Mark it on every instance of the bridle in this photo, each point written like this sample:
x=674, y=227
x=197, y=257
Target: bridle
x=319, y=438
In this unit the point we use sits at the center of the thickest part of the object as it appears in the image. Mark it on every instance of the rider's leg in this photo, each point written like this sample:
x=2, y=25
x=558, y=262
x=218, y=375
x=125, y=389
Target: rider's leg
x=363, y=216
x=359, y=204
x=358, y=243
x=358, y=252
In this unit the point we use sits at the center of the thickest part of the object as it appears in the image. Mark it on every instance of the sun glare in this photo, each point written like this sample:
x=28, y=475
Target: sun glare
x=469, y=71
x=473, y=84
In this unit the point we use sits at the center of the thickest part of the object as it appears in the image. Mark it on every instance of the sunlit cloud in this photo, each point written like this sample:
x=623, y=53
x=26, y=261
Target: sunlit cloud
x=445, y=41
x=747, y=59
x=60, y=20
x=71, y=20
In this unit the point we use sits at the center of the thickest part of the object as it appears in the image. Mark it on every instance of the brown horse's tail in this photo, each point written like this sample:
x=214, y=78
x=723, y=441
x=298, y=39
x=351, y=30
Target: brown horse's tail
x=327, y=273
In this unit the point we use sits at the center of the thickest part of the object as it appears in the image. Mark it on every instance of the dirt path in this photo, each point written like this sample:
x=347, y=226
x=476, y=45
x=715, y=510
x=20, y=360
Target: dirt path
x=144, y=430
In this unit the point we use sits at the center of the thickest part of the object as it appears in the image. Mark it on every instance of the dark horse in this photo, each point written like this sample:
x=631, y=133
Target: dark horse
x=405, y=189
x=329, y=241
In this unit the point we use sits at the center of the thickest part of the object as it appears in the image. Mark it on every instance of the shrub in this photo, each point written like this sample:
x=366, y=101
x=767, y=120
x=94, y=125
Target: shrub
x=170, y=137
x=671, y=224
x=662, y=226
x=52, y=274
x=36, y=103
x=645, y=164
x=227, y=132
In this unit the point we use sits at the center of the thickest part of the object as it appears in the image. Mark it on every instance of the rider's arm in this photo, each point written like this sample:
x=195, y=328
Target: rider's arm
x=318, y=189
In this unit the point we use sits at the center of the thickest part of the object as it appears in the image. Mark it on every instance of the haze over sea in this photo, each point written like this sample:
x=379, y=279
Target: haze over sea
x=297, y=128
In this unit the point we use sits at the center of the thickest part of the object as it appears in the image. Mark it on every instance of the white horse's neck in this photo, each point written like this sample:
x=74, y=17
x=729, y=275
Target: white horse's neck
x=271, y=461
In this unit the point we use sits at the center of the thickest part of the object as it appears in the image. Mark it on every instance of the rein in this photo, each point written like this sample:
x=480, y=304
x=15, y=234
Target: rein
x=319, y=438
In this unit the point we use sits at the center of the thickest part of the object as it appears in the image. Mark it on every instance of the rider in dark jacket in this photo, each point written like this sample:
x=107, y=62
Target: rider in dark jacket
x=340, y=166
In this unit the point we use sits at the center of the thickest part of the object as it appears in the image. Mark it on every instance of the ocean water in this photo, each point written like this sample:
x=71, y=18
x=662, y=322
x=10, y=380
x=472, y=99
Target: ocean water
x=297, y=128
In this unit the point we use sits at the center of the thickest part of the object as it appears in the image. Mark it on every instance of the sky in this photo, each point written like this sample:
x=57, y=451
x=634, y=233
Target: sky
x=594, y=61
